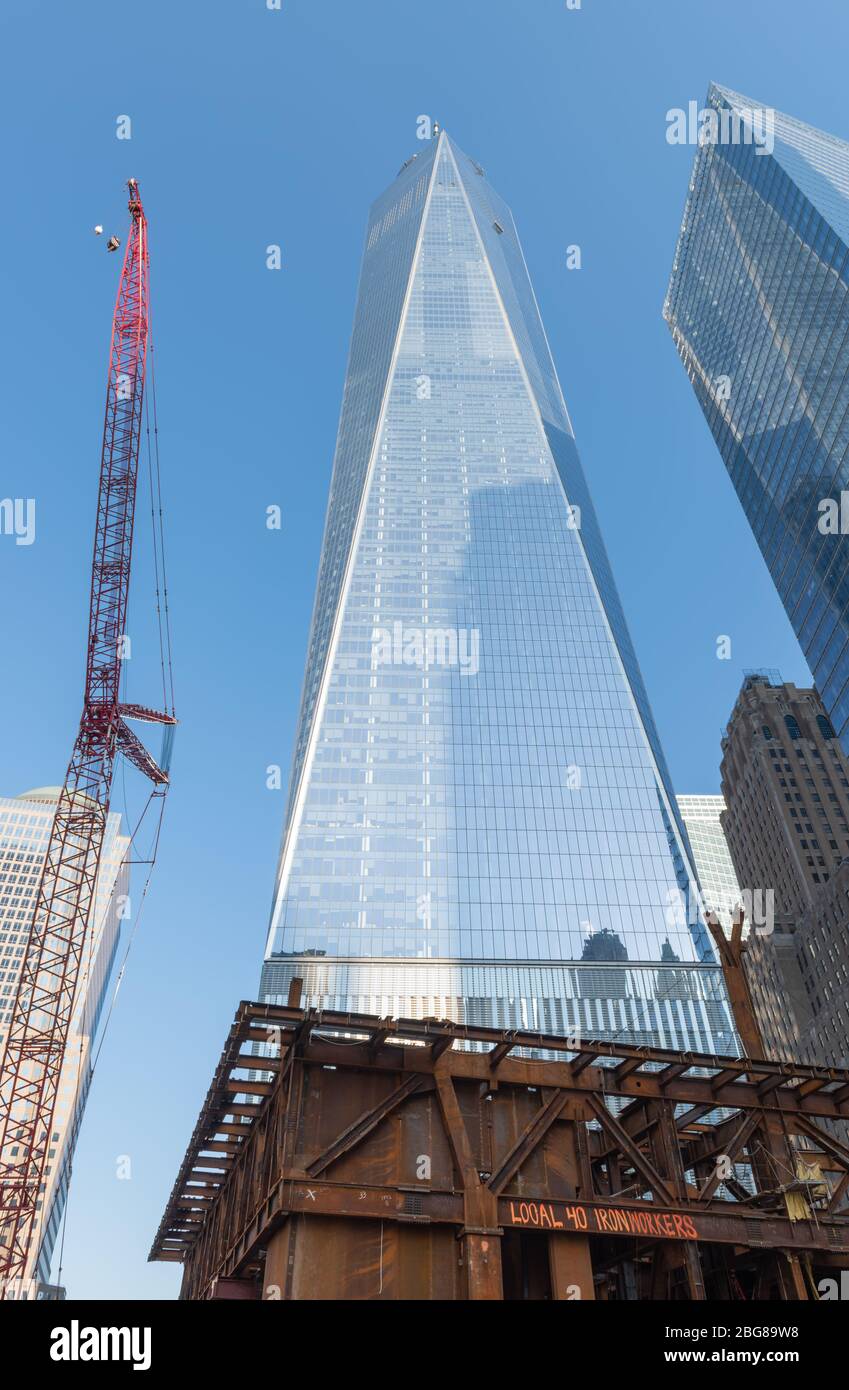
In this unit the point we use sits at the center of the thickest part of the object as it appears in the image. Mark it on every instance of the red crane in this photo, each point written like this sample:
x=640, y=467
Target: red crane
x=47, y=987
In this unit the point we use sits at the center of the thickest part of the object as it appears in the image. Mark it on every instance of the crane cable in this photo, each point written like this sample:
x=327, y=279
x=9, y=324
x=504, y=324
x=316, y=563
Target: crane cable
x=162, y=609
x=155, y=541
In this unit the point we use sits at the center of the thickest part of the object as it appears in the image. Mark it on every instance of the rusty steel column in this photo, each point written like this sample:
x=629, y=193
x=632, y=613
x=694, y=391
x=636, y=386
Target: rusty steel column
x=571, y=1267
x=482, y=1254
x=800, y=1289
x=667, y=1153
x=481, y=1235
x=731, y=951
x=662, y=1260
x=278, y=1263
x=693, y=1270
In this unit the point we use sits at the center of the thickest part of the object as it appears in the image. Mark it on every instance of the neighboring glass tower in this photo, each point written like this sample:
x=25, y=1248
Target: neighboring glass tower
x=712, y=857
x=480, y=823
x=758, y=305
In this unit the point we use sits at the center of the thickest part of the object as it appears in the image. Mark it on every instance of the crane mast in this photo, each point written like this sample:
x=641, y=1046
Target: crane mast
x=45, y=999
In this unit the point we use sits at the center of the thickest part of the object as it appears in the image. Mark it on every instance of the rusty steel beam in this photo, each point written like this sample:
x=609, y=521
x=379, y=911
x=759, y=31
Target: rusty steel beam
x=693, y=1115
x=377, y=1040
x=240, y=1085
x=583, y=1060
x=832, y=1146
x=528, y=1140
x=771, y=1083
x=364, y=1126
x=627, y=1068
x=690, y=1090
x=615, y=1217
x=636, y=1158
x=837, y=1196
x=250, y=1112
x=283, y=1018
x=815, y=1083
x=731, y=1149
x=257, y=1062
x=680, y=1222
x=425, y=1030
x=497, y=1053
x=672, y=1072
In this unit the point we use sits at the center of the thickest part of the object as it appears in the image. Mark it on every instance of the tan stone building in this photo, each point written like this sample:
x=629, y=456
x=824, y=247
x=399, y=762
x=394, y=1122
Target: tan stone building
x=785, y=780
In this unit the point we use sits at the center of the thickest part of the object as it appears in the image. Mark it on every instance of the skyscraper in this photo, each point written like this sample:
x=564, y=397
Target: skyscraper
x=785, y=779
x=758, y=305
x=711, y=856
x=480, y=822
x=25, y=823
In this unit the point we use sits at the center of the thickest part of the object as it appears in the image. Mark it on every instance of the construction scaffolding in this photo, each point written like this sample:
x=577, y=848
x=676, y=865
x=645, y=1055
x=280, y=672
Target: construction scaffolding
x=371, y=1158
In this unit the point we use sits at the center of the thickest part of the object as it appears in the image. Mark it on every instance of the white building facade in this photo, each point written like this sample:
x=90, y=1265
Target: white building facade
x=711, y=855
x=25, y=824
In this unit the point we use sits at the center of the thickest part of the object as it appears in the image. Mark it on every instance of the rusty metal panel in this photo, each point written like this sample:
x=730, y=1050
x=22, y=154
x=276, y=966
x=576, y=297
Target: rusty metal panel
x=335, y=1259
x=422, y=1137
x=429, y=1264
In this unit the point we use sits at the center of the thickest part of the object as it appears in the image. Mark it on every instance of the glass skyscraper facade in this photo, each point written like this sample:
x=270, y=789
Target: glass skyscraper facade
x=480, y=822
x=758, y=305
x=712, y=857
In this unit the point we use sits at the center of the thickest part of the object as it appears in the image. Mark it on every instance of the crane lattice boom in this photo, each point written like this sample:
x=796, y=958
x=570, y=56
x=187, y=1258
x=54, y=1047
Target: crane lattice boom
x=46, y=992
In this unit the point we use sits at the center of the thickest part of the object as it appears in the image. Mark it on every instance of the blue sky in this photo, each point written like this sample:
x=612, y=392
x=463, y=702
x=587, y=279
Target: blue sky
x=252, y=127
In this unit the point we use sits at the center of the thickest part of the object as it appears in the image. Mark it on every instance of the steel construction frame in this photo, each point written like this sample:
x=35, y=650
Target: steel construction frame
x=610, y=1153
